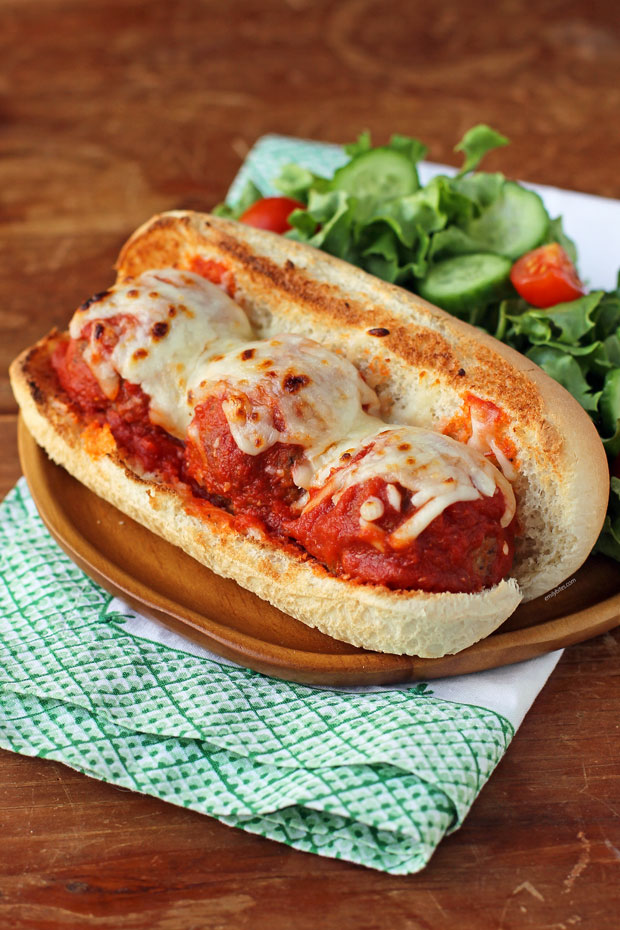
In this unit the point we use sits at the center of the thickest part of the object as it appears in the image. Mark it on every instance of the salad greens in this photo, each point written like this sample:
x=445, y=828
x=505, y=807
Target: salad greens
x=454, y=240
x=578, y=344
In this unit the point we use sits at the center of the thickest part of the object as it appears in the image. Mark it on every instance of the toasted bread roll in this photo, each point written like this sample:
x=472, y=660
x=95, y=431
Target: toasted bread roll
x=420, y=368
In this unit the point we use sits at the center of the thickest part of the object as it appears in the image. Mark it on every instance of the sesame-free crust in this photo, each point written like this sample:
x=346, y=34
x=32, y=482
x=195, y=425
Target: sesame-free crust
x=421, y=368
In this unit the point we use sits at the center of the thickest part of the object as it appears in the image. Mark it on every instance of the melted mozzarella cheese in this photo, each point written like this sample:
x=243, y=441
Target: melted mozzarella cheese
x=482, y=440
x=437, y=470
x=372, y=509
x=393, y=496
x=299, y=392
x=172, y=319
x=183, y=339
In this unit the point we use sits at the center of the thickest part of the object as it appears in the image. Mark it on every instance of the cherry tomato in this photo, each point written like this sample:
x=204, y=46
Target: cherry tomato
x=546, y=276
x=271, y=213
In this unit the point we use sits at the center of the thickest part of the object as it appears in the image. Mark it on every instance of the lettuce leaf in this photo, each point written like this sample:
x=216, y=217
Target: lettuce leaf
x=608, y=542
x=249, y=195
x=577, y=343
x=476, y=143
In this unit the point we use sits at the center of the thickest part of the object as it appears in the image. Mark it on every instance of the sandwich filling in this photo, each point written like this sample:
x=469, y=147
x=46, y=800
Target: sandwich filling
x=284, y=434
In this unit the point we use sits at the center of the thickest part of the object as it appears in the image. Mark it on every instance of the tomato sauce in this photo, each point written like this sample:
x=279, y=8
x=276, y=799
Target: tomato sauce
x=464, y=549
x=213, y=271
x=491, y=419
x=127, y=415
x=155, y=449
x=251, y=484
x=76, y=377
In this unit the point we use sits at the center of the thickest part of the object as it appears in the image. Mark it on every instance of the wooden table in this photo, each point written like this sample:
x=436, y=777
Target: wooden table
x=111, y=111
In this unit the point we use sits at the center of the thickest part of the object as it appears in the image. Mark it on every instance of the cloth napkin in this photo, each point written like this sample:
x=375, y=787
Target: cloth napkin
x=376, y=776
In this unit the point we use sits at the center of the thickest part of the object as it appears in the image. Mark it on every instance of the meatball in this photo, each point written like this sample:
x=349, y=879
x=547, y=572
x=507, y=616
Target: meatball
x=464, y=549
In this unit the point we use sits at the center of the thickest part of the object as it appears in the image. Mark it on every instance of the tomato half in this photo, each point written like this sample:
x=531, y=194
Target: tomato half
x=271, y=213
x=546, y=276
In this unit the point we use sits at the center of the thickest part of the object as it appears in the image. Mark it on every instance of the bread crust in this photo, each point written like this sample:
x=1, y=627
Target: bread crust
x=421, y=368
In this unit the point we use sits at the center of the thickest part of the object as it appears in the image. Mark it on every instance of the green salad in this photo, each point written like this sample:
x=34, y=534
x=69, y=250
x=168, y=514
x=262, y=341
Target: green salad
x=477, y=244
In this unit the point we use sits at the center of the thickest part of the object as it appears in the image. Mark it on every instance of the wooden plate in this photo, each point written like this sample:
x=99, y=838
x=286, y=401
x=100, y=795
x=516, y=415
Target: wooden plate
x=161, y=581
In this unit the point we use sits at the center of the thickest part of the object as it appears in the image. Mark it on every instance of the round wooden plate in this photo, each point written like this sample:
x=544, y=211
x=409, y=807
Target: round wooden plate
x=161, y=581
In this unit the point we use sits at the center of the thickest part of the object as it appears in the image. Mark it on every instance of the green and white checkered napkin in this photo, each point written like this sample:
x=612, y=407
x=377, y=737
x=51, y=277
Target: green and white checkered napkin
x=374, y=776
x=377, y=777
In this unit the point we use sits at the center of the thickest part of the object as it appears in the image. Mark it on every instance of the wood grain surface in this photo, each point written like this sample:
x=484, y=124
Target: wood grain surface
x=110, y=111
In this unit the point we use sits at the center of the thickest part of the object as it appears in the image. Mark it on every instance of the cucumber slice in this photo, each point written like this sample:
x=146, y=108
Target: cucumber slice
x=380, y=173
x=464, y=282
x=514, y=224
